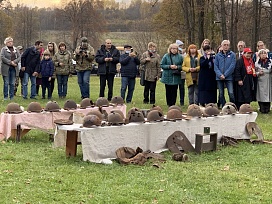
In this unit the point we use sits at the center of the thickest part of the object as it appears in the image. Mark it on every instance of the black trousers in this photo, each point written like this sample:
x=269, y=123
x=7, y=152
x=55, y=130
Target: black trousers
x=171, y=94
x=103, y=80
x=46, y=85
x=52, y=85
x=150, y=86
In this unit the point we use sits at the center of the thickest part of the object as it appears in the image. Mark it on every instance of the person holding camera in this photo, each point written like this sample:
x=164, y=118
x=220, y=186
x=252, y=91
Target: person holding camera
x=129, y=64
x=207, y=87
x=150, y=62
x=107, y=57
x=84, y=55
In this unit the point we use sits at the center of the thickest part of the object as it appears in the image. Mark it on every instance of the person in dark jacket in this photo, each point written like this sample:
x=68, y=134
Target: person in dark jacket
x=244, y=77
x=47, y=70
x=207, y=89
x=129, y=62
x=30, y=62
x=107, y=58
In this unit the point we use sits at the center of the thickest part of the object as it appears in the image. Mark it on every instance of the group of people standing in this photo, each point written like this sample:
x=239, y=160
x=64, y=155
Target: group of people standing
x=246, y=76
x=36, y=63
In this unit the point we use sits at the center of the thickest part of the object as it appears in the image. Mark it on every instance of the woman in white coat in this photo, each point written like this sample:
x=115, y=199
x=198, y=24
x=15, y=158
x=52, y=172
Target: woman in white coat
x=264, y=84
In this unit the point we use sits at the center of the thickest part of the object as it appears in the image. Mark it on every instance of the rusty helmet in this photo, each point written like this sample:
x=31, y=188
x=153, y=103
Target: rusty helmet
x=211, y=109
x=232, y=104
x=115, y=118
x=132, y=110
x=13, y=108
x=174, y=114
x=70, y=105
x=118, y=111
x=102, y=101
x=154, y=107
x=91, y=120
x=194, y=111
x=174, y=107
x=228, y=109
x=245, y=108
x=34, y=107
x=117, y=100
x=136, y=116
x=97, y=113
x=155, y=115
x=52, y=106
x=85, y=103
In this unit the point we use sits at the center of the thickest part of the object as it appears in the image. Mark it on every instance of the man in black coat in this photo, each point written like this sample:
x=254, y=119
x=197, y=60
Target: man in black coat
x=107, y=58
x=30, y=62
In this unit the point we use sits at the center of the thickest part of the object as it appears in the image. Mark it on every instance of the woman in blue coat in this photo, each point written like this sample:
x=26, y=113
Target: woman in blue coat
x=171, y=64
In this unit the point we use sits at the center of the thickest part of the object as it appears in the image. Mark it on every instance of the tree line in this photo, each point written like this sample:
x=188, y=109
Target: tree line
x=149, y=20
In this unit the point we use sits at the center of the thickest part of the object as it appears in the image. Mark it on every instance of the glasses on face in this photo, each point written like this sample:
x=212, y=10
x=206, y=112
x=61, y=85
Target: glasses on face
x=263, y=53
x=225, y=44
x=261, y=45
x=173, y=48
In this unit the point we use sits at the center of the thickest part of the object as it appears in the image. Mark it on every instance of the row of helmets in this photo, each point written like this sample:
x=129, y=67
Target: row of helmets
x=53, y=106
x=155, y=113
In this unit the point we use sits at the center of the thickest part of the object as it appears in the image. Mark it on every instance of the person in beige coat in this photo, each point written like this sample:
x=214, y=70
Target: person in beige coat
x=150, y=62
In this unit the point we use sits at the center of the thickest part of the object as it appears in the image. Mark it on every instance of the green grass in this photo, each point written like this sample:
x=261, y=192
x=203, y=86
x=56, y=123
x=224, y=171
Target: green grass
x=33, y=172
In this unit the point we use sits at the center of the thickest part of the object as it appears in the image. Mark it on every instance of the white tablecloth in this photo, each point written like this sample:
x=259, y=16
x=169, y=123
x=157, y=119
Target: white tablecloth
x=101, y=142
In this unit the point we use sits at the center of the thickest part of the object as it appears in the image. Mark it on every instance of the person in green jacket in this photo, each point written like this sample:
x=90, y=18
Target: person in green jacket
x=171, y=64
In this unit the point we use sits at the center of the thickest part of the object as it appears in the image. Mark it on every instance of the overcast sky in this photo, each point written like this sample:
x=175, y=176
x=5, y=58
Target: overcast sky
x=38, y=3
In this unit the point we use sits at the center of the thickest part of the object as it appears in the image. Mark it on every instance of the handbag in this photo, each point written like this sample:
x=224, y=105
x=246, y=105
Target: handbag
x=21, y=74
x=174, y=71
x=142, y=75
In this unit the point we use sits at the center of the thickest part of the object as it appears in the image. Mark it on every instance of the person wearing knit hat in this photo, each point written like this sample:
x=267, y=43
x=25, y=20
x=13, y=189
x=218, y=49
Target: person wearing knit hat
x=47, y=69
x=191, y=66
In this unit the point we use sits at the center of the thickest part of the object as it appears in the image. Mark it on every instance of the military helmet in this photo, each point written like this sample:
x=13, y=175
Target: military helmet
x=34, y=107
x=211, y=109
x=52, y=106
x=154, y=107
x=132, y=110
x=102, y=101
x=70, y=105
x=117, y=100
x=155, y=115
x=136, y=116
x=245, y=108
x=194, y=111
x=118, y=111
x=115, y=118
x=86, y=102
x=174, y=114
x=13, y=108
x=228, y=109
x=174, y=107
x=232, y=104
x=91, y=120
x=97, y=113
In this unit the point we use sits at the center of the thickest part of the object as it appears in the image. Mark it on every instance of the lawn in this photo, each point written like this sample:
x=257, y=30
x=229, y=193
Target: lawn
x=33, y=172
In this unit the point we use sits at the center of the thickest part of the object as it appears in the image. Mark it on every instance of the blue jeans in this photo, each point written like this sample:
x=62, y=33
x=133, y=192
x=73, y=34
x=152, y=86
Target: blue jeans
x=9, y=83
x=83, y=80
x=33, y=85
x=221, y=97
x=62, y=85
x=127, y=82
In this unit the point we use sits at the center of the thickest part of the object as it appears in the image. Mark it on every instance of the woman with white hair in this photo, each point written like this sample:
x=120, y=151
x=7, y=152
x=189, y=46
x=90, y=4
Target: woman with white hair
x=264, y=90
x=10, y=57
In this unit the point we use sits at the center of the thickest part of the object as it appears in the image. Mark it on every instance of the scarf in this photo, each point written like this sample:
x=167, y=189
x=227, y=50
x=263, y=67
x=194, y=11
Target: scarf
x=249, y=64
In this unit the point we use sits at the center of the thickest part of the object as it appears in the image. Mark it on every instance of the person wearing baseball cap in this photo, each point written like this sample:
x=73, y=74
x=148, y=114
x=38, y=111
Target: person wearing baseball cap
x=244, y=77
